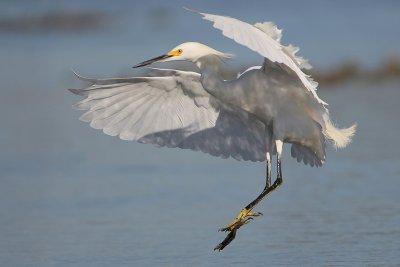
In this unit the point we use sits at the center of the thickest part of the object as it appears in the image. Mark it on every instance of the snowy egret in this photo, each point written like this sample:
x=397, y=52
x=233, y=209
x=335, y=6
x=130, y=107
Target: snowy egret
x=248, y=118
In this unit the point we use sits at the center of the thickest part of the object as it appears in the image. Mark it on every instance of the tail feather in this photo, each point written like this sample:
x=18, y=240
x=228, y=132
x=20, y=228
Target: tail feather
x=339, y=137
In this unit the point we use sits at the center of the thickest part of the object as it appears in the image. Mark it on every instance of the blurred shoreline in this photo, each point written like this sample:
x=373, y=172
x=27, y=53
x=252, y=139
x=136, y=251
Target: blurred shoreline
x=347, y=72
x=67, y=21
x=55, y=21
x=388, y=70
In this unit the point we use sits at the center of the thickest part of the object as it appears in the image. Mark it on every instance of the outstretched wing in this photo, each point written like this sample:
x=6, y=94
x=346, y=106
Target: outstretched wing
x=171, y=110
x=264, y=38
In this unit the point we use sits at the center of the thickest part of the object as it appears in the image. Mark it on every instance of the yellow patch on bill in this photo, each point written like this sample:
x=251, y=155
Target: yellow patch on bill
x=175, y=52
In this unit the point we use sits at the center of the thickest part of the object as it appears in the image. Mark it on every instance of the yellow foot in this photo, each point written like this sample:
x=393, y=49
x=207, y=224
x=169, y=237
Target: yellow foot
x=243, y=218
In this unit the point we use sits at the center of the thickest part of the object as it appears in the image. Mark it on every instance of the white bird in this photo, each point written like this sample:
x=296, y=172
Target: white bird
x=247, y=118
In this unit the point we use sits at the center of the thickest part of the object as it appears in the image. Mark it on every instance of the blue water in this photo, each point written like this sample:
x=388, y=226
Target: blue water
x=72, y=196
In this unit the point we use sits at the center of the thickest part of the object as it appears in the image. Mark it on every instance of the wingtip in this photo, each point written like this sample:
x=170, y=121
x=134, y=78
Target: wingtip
x=76, y=91
x=190, y=9
x=80, y=77
x=76, y=73
x=193, y=10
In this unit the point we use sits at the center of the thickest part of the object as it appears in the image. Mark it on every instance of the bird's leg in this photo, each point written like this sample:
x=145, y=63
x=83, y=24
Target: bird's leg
x=246, y=212
x=246, y=215
x=268, y=175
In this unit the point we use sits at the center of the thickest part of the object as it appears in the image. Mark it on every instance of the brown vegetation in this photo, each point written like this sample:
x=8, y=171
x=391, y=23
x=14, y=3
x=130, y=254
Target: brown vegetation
x=388, y=71
x=55, y=21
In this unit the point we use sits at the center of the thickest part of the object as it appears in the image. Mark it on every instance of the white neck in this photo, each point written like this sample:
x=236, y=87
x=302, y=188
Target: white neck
x=210, y=74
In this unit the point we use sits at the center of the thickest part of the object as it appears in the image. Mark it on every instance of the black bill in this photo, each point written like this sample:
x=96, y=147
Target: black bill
x=147, y=62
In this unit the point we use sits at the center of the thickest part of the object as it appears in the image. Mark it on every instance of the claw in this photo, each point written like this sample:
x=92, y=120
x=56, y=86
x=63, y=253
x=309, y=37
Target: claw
x=241, y=223
x=255, y=214
x=232, y=233
x=244, y=215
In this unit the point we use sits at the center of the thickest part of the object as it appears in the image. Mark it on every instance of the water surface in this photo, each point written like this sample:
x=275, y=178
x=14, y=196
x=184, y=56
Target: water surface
x=72, y=196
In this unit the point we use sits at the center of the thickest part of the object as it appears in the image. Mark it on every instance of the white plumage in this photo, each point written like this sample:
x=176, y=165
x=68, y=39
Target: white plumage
x=264, y=38
x=247, y=118
x=173, y=109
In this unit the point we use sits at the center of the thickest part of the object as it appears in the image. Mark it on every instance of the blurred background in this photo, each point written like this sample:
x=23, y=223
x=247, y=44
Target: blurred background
x=72, y=196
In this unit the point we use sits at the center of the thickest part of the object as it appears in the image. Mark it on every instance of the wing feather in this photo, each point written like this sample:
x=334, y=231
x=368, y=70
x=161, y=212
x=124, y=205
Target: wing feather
x=264, y=40
x=172, y=110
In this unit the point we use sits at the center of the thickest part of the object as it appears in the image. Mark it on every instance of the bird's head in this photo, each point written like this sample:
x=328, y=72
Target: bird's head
x=190, y=51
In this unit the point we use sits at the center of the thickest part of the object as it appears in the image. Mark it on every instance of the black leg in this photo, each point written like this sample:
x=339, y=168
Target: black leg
x=246, y=215
x=268, y=189
x=228, y=239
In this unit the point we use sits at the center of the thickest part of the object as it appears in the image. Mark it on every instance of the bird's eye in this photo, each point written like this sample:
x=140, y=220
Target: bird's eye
x=180, y=51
